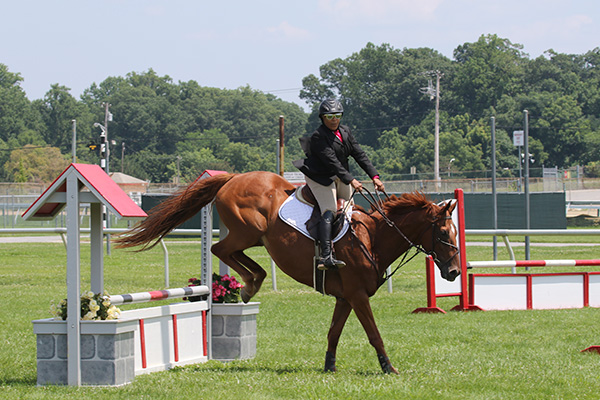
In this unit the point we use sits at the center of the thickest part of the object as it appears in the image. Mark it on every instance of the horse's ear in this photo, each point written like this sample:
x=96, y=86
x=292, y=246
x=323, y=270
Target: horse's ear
x=450, y=206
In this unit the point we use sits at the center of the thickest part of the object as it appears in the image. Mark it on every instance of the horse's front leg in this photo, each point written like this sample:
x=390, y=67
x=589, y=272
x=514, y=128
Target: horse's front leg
x=362, y=307
x=340, y=316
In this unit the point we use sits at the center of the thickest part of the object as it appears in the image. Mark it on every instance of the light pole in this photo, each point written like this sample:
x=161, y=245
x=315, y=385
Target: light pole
x=104, y=149
x=104, y=163
x=449, y=165
x=434, y=93
x=104, y=144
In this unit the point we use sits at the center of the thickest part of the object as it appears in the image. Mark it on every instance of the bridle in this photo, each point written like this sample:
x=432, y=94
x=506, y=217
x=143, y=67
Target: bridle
x=377, y=204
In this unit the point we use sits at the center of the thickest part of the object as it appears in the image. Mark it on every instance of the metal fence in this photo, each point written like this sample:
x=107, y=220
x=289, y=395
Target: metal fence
x=15, y=198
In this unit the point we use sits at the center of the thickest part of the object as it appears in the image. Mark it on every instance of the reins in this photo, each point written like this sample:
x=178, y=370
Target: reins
x=377, y=204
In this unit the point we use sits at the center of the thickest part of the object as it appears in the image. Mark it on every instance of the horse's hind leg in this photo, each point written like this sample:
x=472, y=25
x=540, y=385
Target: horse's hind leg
x=230, y=251
x=257, y=271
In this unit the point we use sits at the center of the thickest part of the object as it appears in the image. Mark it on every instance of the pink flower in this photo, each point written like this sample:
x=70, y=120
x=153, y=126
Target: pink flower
x=218, y=291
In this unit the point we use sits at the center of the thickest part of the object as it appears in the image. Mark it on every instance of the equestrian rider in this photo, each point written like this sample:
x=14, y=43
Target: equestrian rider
x=327, y=172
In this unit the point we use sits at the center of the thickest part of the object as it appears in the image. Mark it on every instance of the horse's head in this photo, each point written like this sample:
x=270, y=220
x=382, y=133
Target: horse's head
x=442, y=245
x=427, y=227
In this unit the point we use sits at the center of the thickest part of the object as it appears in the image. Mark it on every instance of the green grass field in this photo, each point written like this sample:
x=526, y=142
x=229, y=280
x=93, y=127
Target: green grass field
x=474, y=355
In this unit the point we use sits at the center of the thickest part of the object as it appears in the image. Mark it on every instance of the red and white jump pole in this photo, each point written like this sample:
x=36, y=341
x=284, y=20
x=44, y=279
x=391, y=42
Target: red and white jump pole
x=143, y=297
x=436, y=285
x=156, y=295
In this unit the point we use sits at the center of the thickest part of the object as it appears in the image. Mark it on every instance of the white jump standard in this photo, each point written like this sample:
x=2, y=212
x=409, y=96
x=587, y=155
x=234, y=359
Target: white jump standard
x=112, y=352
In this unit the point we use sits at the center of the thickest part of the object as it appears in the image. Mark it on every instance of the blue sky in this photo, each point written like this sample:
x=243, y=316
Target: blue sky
x=269, y=45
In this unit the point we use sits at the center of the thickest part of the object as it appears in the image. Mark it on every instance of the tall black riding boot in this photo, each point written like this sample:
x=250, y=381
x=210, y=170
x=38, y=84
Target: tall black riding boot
x=327, y=261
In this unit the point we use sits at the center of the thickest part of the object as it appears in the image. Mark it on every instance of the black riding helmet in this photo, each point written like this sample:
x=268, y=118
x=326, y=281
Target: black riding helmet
x=330, y=106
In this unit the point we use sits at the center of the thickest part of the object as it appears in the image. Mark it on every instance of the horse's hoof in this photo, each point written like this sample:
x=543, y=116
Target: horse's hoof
x=386, y=365
x=245, y=296
x=329, y=363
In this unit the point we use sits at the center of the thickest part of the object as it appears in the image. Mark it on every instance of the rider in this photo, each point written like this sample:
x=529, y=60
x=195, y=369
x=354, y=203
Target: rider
x=327, y=172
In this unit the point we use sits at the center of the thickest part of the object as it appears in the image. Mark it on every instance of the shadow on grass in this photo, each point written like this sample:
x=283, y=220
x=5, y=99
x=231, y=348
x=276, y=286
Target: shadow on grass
x=22, y=381
x=235, y=367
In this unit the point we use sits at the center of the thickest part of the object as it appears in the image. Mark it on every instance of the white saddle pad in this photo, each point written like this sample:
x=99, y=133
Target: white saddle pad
x=295, y=213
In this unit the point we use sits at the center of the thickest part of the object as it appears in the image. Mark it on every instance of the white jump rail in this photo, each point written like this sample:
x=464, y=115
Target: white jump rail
x=531, y=263
x=167, y=336
x=156, y=295
x=505, y=233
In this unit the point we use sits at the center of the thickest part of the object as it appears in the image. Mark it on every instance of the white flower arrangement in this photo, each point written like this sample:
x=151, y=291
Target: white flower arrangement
x=93, y=307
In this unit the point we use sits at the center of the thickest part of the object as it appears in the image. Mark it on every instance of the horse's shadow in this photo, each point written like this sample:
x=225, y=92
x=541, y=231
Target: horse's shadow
x=281, y=369
x=23, y=381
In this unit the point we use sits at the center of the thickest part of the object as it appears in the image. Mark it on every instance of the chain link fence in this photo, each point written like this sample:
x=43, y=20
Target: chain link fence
x=15, y=198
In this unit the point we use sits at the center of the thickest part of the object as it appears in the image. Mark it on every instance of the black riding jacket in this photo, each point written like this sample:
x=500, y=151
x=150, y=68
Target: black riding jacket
x=327, y=157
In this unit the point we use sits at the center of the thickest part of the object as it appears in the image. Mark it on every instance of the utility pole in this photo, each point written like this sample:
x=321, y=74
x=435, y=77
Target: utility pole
x=104, y=145
x=74, y=141
x=281, y=146
x=107, y=117
x=104, y=162
x=434, y=93
x=122, y=155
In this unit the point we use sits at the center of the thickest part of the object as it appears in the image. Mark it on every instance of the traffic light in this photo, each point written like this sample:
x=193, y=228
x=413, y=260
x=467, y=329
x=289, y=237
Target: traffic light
x=93, y=146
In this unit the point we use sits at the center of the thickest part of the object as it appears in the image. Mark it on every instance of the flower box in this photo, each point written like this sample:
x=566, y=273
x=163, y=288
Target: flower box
x=234, y=330
x=113, y=352
x=107, y=352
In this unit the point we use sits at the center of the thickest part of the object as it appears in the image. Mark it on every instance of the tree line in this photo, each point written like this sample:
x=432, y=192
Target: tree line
x=163, y=129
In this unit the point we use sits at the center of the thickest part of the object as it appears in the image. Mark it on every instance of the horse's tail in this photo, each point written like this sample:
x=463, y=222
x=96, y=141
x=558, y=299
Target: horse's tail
x=172, y=212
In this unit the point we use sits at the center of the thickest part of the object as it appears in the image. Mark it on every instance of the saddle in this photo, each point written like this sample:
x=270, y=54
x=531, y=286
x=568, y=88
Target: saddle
x=311, y=219
x=306, y=196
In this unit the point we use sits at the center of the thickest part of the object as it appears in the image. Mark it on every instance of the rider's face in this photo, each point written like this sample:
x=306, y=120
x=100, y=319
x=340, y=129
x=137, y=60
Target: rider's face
x=332, y=123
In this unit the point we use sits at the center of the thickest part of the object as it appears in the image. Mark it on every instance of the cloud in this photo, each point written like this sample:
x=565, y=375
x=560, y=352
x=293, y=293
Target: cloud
x=577, y=22
x=286, y=31
x=562, y=34
x=380, y=10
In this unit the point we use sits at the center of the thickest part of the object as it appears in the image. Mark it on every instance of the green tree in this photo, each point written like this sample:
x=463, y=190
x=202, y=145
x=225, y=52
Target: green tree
x=58, y=109
x=563, y=129
x=17, y=118
x=35, y=164
x=192, y=163
x=379, y=88
x=487, y=69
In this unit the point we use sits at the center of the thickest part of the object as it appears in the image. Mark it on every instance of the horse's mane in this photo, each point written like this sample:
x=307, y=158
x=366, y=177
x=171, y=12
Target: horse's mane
x=407, y=202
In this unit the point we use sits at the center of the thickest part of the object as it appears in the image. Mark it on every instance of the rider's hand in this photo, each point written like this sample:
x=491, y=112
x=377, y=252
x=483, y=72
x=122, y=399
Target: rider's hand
x=356, y=185
x=378, y=185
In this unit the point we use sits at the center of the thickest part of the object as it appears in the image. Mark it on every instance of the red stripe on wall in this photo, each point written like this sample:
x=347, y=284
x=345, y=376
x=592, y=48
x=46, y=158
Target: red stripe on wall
x=175, y=339
x=143, y=343
x=204, y=337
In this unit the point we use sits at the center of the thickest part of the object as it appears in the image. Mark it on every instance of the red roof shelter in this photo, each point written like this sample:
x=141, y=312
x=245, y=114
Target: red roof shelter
x=82, y=183
x=100, y=187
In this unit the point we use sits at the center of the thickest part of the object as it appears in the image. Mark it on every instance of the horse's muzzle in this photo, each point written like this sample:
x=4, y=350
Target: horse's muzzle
x=449, y=274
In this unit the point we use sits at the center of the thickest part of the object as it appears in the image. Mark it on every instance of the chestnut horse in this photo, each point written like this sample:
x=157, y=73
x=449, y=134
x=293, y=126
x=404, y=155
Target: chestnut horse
x=248, y=206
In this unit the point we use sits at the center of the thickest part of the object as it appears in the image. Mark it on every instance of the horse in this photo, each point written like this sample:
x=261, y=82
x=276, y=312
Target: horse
x=248, y=205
